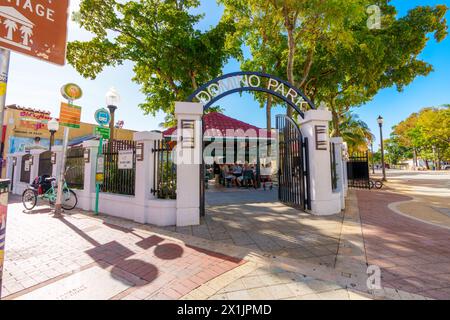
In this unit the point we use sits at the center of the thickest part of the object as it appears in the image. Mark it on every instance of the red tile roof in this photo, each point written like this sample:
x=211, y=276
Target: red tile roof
x=217, y=124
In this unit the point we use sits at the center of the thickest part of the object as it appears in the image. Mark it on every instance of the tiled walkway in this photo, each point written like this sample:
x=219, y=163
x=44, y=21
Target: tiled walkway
x=272, y=228
x=414, y=256
x=41, y=250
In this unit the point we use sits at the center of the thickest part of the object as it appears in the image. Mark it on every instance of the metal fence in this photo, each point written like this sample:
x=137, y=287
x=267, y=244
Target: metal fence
x=25, y=168
x=118, y=181
x=358, y=171
x=75, y=163
x=334, y=176
x=165, y=170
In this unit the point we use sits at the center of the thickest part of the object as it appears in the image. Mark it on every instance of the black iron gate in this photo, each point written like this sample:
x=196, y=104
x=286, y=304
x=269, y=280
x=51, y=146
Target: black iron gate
x=45, y=164
x=358, y=171
x=293, y=166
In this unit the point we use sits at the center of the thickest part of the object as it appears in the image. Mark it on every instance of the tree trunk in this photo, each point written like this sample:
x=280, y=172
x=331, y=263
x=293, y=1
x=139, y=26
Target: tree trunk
x=291, y=56
x=336, y=132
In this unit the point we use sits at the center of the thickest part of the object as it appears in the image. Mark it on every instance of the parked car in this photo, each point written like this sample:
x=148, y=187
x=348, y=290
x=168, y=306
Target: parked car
x=446, y=167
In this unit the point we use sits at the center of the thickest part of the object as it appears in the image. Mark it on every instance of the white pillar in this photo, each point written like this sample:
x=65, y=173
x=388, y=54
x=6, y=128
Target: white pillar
x=34, y=170
x=323, y=200
x=345, y=160
x=188, y=162
x=338, y=145
x=144, y=177
x=55, y=168
x=87, y=199
x=17, y=171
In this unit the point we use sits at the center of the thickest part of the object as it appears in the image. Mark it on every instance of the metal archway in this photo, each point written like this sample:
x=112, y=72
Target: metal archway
x=241, y=81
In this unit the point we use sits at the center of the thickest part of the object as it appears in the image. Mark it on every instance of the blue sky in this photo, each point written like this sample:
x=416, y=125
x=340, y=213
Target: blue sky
x=36, y=84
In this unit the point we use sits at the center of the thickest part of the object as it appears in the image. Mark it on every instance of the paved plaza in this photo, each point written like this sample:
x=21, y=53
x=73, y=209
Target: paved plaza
x=260, y=250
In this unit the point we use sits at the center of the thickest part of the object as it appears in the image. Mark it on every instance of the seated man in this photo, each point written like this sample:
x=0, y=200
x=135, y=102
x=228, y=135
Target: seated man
x=229, y=177
x=247, y=178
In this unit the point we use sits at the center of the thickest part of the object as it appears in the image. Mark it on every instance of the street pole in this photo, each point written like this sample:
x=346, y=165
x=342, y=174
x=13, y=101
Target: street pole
x=383, y=166
x=4, y=72
x=97, y=184
x=373, y=163
x=58, y=203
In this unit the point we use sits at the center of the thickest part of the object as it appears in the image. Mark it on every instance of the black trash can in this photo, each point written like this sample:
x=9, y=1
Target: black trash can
x=4, y=191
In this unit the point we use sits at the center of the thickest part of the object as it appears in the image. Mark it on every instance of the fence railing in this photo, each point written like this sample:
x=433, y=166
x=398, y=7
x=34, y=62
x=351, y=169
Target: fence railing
x=358, y=171
x=119, y=181
x=75, y=163
x=165, y=170
x=334, y=175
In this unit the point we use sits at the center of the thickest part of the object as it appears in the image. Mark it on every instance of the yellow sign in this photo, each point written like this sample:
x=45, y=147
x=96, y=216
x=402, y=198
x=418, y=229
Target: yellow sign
x=99, y=177
x=2, y=89
x=70, y=115
x=71, y=91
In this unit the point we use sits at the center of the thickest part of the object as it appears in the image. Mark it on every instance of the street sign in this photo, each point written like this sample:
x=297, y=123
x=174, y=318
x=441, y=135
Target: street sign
x=37, y=28
x=102, y=132
x=99, y=174
x=71, y=91
x=125, y=159
x=70, y=115
x=102, y=117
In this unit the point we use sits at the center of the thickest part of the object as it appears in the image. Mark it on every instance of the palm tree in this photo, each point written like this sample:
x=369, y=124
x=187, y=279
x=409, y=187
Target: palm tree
x=355, y=132
x=27, y=32
x=11, y=26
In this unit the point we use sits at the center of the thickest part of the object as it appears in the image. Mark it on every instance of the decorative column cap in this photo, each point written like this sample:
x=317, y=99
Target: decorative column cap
x=189, y=108
x=147, y=136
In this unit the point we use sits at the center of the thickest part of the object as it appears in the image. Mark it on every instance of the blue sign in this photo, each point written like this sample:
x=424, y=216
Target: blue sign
x=102, y=117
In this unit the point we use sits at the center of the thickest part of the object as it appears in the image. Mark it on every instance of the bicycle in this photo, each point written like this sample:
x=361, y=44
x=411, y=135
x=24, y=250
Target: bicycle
x=375, y=183
x=31, y=195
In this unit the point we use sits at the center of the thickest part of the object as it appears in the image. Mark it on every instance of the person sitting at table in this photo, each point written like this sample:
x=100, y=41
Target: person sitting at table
x=237, y=170
x=247, y=177
x=228, y=175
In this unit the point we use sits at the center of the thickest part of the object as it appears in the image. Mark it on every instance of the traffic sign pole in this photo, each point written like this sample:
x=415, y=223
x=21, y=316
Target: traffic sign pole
x=58, y=203
x=97, y=184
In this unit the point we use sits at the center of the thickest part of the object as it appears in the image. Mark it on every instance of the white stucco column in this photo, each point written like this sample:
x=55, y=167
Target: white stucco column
x=144, y=176
x=87, y=196
x=345, y=160
x=338, y=145
x=323, y=200
x=34, y=170
x=188, y=160
x=17, y=171
x=55, y=168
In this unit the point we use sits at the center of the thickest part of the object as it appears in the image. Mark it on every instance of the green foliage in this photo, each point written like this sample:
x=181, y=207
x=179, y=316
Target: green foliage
x=426, y=132
x=355, y=132
x=170, y=57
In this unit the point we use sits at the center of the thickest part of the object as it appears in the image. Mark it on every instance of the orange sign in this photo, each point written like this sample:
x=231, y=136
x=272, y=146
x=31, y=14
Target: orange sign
x=70, y=115
x=36, y=28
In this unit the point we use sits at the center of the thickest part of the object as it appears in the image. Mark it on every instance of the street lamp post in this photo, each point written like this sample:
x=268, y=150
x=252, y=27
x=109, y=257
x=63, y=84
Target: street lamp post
x=373, y=160
x=53, y=127
x=380, y=121
x=112, y=101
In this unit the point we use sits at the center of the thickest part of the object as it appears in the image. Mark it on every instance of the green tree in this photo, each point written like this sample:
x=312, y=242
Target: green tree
x=355, y=132
x=170, y=56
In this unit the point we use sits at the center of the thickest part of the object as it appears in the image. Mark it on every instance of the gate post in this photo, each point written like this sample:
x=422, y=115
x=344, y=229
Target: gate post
x=338, y=142
x=55, y=168
x=144, y=175
x=315, y=127
x=87, y=201
x=34, y=170
x=188, y=160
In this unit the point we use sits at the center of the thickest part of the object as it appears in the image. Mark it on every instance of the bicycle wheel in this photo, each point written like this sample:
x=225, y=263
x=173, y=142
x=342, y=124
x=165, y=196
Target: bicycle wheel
x=69, y=200
x=371, y=184
x=29, y=199
x=378, y=184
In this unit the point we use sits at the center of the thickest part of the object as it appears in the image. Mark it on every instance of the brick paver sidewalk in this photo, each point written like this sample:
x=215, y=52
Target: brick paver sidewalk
x=41, y=250
x=414, y=256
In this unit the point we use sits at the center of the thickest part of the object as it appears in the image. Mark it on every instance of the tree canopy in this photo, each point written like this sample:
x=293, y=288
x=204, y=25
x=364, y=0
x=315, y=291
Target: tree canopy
x=170, y=56
x=425, y=133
